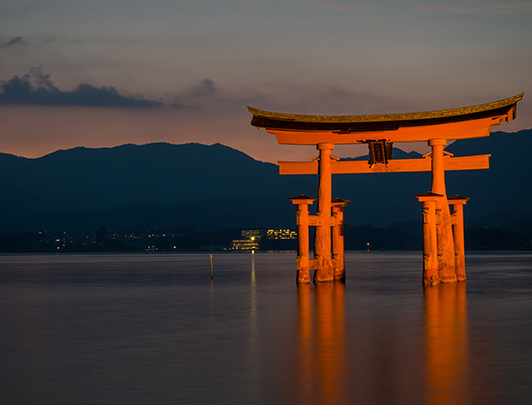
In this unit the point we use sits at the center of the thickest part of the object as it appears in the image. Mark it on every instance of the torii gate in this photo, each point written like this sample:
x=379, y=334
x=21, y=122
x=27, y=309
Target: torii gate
x=443, y=241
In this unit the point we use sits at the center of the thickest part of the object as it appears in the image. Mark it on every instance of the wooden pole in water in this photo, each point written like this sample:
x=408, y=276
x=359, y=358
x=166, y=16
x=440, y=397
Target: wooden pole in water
x=212, y=275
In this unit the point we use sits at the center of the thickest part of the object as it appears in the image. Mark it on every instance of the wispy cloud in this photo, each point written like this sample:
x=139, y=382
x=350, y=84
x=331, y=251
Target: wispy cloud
x=199, y=94
x=473, y=7
x=36, y=88
x=15, y=41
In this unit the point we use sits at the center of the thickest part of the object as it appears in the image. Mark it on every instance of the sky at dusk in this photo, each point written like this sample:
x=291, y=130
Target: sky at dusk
x=102, y=73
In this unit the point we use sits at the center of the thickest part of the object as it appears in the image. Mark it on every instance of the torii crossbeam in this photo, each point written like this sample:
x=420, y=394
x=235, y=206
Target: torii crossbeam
x=442, y=232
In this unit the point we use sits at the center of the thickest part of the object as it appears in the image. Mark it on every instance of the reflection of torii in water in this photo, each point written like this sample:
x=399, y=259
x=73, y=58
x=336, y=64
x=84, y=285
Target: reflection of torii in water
x=443, y=259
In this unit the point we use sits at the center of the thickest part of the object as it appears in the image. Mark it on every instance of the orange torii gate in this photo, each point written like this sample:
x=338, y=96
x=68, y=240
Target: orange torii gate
x=443, y=241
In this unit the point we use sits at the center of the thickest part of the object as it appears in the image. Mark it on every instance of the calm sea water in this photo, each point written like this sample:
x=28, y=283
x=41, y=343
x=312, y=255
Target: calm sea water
x=154, y=329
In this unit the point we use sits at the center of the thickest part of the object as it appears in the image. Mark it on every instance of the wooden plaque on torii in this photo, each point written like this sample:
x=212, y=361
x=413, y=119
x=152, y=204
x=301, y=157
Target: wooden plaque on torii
x=443, y=251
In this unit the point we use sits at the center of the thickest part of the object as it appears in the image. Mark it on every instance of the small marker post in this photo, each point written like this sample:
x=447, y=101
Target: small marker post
x=212, y=275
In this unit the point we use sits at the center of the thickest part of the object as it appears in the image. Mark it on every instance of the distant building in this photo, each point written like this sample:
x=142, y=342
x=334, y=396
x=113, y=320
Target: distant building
x=252, y=234
x=281, y=234
x=252, y=238
x=250, y=241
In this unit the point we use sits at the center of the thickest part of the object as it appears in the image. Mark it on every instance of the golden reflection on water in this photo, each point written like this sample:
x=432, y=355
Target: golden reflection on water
x=429, y=369
x=446, y=344
x=322, y=343
x=254, y=363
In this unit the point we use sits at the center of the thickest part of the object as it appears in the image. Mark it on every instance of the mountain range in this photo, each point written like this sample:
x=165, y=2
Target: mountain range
x=206, y=188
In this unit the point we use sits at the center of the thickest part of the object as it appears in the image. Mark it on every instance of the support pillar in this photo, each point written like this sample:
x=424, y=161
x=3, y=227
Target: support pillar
x=337, y=234
x=322, y=236
x=447, y=270
x=431, y=274
x=302, y=218
x=457, y=211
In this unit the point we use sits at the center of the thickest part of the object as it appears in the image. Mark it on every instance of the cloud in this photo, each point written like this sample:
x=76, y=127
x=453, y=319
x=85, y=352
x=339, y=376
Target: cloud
x=36, y=88
x=199, y=94
x=15, y=41
x=474, y=7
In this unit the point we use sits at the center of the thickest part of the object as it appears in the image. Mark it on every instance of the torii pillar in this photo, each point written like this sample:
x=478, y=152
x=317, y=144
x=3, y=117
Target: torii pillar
x=303, y=259
x=431, y=274
x=446, y=257
x=322, y=236
x=457, y=218
x=337, y=231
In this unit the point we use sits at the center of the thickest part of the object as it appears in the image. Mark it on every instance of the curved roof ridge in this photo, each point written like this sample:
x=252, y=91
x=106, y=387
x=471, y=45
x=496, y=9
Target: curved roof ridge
x=386, y=117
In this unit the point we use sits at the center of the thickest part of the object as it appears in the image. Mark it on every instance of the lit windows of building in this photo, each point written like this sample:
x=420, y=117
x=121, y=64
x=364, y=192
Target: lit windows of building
x=281, y=234
x=245, y=244
x=251, y=234
x=251, y=238
x=250, y=241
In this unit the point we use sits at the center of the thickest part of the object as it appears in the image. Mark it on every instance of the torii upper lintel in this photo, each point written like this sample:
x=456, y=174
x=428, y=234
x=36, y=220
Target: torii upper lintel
x=458, y=123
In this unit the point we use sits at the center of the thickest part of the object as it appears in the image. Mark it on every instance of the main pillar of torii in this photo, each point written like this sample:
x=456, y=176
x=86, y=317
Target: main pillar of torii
x=380, y=132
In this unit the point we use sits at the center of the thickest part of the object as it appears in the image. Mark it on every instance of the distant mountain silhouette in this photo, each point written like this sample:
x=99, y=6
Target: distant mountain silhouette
x=216, y=187
x=81, y=178
x=503, y=193
x=135, y=185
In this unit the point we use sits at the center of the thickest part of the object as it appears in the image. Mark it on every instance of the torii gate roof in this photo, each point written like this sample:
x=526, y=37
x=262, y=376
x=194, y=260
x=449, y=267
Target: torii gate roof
x=459, y=123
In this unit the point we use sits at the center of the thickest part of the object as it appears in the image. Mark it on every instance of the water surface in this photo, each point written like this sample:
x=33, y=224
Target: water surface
x=153, y=328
